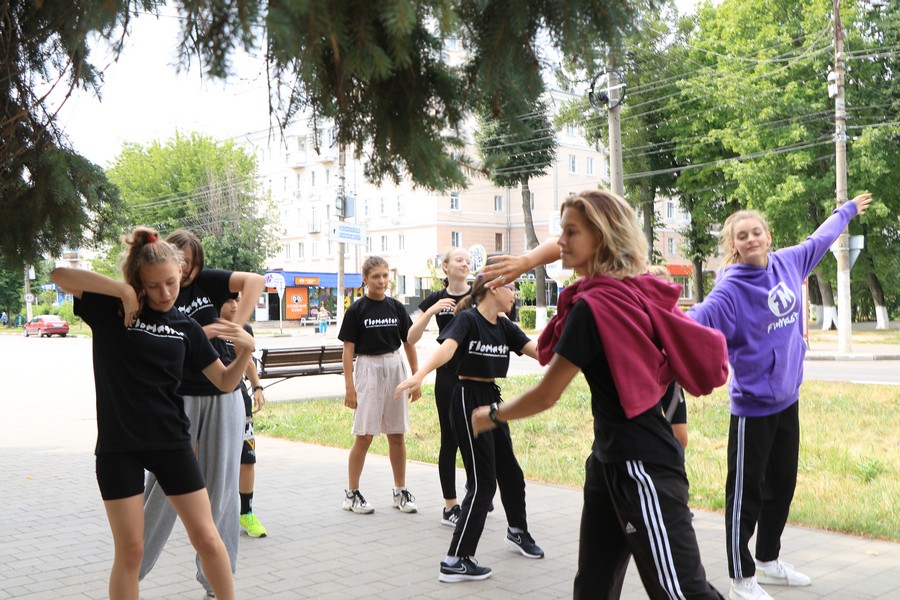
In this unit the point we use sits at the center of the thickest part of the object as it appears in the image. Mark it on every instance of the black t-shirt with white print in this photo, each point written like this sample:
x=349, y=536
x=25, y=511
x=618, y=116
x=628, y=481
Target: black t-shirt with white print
x=444, y=317
x=375, y=326
x=483, y=346
x=201, y=301
x=648, y=436
x=137, y=371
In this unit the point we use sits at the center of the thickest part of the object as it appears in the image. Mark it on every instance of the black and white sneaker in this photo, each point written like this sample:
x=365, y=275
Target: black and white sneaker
x=524, y=544
x=465, y=570
x=450, y=516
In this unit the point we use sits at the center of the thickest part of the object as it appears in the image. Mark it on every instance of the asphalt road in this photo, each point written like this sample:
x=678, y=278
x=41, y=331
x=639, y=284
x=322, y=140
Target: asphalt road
x=63, y=366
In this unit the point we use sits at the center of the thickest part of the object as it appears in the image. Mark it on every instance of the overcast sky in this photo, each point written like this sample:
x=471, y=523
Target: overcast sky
x=144, y=99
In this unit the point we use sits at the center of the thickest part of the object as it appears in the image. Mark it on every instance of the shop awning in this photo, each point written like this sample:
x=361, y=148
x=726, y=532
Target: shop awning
x=313, y=279
x=680, y=270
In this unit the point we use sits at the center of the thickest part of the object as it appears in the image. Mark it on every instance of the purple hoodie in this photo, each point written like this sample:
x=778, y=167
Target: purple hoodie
x=759, y=311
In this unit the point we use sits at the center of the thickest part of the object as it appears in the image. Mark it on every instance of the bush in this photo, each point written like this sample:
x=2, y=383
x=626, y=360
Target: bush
x=67, y=312
x=527, y=317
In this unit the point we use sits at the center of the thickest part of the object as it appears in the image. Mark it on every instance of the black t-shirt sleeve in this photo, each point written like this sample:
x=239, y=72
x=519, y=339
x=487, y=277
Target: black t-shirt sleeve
x=515, y=337
x=215, y=282
x=349, y=326
x=458, y=329
x=98, y=310
x=580, y=342
x=429, y=301
x=200, y=352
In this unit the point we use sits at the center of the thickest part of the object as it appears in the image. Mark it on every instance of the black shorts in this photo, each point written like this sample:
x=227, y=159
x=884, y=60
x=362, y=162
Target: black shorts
x=121, y=474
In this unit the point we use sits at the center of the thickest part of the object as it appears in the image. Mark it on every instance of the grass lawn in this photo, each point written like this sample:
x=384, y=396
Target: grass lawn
x=849, y=475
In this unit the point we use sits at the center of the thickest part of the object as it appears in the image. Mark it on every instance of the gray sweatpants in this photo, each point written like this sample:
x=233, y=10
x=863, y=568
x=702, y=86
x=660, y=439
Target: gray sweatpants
x=217, y=433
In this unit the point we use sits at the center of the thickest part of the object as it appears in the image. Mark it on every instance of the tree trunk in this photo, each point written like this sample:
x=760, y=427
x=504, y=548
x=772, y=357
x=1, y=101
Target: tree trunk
x=699, y=293
x=815, y=300
x=881, y=314
x=540, y=274
x=829, y=316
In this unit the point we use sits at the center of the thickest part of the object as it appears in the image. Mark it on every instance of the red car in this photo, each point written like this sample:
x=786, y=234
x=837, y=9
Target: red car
x=46, y=325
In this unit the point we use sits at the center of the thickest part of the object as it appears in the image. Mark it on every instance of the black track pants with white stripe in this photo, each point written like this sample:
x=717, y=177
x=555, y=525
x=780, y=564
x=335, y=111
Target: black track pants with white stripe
x=638, y=509
x=762, y=475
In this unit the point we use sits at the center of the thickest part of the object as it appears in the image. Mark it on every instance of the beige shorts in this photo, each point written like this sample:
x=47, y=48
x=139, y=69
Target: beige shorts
x=375, y=379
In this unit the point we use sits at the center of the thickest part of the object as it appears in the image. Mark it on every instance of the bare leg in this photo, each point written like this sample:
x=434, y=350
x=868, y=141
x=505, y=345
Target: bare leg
x=126, y=520
x=357, y=460
x=196, y=515
x=397, y=454
x=247, y=479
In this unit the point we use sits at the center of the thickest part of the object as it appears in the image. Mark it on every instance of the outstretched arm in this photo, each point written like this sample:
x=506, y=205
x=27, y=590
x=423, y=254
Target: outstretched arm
x=508, y=267
x=418, y=328
x=78, y=281
x=538, y=399
x=413, y=384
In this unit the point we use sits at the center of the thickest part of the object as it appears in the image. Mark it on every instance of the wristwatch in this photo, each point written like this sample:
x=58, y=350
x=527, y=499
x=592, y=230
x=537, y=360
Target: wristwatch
x=492, y=414
x=256, y=387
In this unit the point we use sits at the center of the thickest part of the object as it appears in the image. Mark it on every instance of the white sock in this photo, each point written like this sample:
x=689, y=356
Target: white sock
x=451, y=561
x=766, y=563
x=516, y=530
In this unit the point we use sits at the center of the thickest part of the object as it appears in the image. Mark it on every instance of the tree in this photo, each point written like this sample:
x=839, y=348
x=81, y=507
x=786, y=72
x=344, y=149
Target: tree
x=205, y=186
x=50, y=196
x=513, y=152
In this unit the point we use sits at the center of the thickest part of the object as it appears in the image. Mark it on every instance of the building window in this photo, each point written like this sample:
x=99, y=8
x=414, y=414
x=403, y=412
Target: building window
x=315, y=249
x=670, y=210
x=455, y=239
x=572, y=164
x=671, y=246
x=384, y=244
x=287, y=250
x=312, y=179
x=381, y=204
x=330, y=248
x=300, y=252
x=299, y=182
x=454, y=200
x=399, y=205
x=498, y=204
x=401, y=284
x=590, y=165
x=401, y=242
x=498, y=242
x=366, y=207
x=570, y=129
x=327, y=176
x=369, y=244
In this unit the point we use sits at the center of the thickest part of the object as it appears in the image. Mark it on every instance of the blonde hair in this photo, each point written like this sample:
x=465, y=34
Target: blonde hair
x=621, y=247
x=730, y=256
x=145, y=248
x=660, y=271
x=445, y=260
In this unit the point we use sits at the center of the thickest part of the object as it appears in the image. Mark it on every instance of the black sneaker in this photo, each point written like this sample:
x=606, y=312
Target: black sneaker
x=465, y=570
x=524, y=544
x=450, y=516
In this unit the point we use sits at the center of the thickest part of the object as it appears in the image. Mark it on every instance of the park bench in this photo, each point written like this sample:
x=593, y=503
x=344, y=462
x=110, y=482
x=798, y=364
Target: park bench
x=284, y=363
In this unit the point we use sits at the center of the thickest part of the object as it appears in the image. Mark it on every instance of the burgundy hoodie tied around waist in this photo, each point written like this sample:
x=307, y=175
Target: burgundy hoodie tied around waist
x=647, y=338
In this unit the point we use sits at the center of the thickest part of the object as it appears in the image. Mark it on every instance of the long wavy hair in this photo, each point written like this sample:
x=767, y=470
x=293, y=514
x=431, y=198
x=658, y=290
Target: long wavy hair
x=621, y=247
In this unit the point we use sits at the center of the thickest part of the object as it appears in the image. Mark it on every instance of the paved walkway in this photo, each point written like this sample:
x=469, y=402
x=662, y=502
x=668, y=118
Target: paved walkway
x=55, y=542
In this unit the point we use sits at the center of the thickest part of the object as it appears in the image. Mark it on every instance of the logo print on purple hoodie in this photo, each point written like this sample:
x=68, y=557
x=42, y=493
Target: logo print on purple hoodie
x=781, y=300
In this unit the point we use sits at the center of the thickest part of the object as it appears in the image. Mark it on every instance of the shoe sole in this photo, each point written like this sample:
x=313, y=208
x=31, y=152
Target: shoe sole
x=448, y=523
x=514, y=546
x=247, y=531
x=733, y=595
x=766, y=580
x=406, y=509
x=457, y=578
x=359, y=511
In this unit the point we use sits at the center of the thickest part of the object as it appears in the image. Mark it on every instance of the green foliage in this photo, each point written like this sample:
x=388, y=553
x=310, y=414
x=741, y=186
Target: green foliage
x=527, y=291
x=66, y=311
x=203, y=185
x=527, y=317
x=50, y=196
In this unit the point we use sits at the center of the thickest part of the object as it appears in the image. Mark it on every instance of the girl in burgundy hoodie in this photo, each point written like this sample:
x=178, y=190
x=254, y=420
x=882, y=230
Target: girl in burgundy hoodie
x=623, y=329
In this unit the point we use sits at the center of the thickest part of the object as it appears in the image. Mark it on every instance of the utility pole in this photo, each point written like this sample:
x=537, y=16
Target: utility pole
x=616, y=94
x=840, y=173
x=341, y=211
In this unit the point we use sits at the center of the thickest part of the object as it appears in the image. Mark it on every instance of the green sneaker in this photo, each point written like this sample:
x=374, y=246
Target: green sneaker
x=252, y=526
